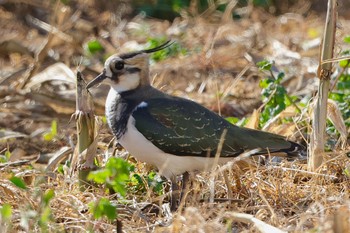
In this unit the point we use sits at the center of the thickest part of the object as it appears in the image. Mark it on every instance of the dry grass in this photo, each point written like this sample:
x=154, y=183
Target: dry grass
x=221, y=59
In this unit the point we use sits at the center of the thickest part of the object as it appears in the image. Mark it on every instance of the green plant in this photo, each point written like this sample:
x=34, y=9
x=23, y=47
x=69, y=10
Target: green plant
x=347, y=39
x=103, y=207
x=4, y=158
x=115, y=174
x=341, y=91
x=154, y=181
x=93, y=46
x=42, y=216
x=274, y=95
x=18, y=182
x=45, y=215
x=236, y=121
x=5, y=212
x=5, y=217
x=52, y=133
x=172, y=50
x=139, y=182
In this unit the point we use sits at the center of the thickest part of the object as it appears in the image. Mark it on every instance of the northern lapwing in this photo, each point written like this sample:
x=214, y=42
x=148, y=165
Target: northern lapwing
x=176, y=135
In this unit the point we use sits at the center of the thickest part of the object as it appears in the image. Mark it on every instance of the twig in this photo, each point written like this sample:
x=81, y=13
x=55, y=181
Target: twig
x=247, y=218
x=215, y=163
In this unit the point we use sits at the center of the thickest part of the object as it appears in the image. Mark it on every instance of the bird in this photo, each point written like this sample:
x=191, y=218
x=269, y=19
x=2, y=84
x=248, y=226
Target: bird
x=175, y=134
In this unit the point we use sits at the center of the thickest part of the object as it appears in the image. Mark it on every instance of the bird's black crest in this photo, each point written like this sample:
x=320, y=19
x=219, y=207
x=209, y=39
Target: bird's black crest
x=160, y=47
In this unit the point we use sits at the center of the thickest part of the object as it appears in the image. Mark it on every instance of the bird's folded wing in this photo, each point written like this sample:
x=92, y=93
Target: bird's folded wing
x=185, y=128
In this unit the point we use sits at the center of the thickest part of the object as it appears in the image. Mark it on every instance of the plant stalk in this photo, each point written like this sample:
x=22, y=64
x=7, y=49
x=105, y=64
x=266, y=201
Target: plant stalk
x=85, y=150
x=317, y=141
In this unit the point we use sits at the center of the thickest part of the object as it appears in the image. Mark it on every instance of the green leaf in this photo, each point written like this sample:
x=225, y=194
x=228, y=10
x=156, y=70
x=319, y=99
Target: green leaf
x=136, y=179
x=264, y=65
x=155, y=182
x=347, y=39
x=7, y=154
x=49, y=194
x=172, y=50
x=60, y=169
x=100, y=176
x=339, y=97
x=18, y=182
x=280, y=76
x=53, y=132
x=103, y=208
x=232, y=120
x=276, y=95
x=347, y=172
x=48, y=136
x=3, y=159
x=54, y=127
x=115, y=174
x=343, y=85
x=104, y=119
x=265, y=83
x=94, y=46
x=6, y=211
x=344, y=63
x=45, y=217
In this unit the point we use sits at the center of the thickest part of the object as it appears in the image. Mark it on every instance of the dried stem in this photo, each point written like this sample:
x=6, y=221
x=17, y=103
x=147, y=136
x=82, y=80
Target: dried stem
x=325, y=70
x=86, y=132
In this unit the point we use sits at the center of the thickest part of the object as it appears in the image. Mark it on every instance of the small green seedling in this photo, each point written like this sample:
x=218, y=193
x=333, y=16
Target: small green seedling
x=115, y=174
x=274, y=95
x=6, y=212
x=49, y=136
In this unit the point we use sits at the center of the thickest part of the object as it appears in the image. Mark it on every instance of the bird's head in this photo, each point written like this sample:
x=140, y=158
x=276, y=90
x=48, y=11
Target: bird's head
x=125, y=72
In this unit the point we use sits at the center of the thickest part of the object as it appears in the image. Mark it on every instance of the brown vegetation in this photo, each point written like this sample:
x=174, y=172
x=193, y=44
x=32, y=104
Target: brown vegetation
x=42, y=47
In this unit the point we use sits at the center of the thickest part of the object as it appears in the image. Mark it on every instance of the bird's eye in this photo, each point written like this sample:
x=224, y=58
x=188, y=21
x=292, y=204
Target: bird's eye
x=119, y=65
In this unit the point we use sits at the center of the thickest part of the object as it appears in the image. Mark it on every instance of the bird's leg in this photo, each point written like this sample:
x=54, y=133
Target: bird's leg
x=185, y=179
x=174, y=195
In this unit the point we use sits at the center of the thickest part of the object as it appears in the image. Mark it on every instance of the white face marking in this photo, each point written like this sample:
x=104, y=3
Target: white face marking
x=108, y=65
x=126, y=82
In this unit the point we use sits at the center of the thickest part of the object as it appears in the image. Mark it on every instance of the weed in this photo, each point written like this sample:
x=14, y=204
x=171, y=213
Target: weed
x=19, y=182
x=274, y=95
x=4, y=158
x=93, y=46
x=103, y=207
x=172, y=50
x=5, y=217
x=115, y=174
x=49, y=136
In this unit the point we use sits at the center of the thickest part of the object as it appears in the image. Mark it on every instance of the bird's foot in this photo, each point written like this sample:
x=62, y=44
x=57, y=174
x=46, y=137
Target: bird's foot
x=177, y=196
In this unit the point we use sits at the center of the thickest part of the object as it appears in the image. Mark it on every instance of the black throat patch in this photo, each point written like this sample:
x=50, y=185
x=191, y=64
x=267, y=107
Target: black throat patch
x=121, y=112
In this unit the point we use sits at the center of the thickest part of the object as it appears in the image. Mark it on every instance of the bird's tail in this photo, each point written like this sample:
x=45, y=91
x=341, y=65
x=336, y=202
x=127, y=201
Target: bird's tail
x=295, y=151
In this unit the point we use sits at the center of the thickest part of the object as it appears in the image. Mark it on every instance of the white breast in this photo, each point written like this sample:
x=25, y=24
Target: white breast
x=169, y=165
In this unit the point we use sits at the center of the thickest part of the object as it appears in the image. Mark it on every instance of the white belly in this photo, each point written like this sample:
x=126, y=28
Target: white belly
x=169, y=165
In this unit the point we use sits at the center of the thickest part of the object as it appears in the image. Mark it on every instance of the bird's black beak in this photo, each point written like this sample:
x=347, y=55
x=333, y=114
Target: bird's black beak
x=97, y=80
